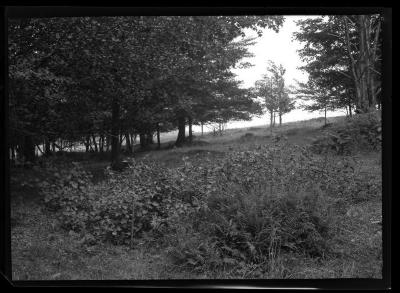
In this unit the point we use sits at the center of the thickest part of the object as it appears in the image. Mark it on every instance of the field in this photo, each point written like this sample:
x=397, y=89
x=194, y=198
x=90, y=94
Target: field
x=42, y=249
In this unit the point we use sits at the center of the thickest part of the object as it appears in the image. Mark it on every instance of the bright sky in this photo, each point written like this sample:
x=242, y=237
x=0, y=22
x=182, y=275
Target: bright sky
x=280, y=48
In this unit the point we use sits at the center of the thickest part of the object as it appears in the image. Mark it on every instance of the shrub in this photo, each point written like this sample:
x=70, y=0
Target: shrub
x=258, y=203
x=247, y=136
x=359, y=132
x=292, y=131
x=123, y=206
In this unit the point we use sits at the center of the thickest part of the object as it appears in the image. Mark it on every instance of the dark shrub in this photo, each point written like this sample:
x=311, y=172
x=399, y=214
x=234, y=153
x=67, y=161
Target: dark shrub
x=361, y=132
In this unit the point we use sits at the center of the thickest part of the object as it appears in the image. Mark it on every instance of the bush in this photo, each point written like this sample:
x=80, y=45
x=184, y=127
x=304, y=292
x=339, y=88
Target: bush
x=292, y=131
x=361, y=132
x=258, y=203
x=124, y=205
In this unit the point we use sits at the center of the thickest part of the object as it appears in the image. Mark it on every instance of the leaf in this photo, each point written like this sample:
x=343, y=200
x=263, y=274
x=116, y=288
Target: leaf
x=229, y=260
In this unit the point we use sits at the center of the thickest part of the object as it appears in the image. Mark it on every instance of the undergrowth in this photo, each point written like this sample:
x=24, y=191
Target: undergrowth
x=240, y=212
x=361, y=132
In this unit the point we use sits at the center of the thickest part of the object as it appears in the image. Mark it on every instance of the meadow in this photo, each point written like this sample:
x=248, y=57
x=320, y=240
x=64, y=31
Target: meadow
x=300, y=201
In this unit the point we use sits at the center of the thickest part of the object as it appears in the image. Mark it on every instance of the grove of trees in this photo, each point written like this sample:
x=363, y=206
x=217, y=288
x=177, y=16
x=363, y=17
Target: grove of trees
x=99, y=81
x=343, y=56
x=272, y=89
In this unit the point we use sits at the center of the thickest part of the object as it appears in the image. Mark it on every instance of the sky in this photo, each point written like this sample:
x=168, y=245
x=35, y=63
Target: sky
x=282, y=49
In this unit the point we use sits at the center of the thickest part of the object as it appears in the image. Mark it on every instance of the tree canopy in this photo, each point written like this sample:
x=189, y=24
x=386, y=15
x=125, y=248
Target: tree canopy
x=98, y=80
x=274, y=92
x=343, y=59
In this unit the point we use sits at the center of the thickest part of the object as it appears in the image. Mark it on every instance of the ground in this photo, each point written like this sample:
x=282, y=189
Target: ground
x=41, y=250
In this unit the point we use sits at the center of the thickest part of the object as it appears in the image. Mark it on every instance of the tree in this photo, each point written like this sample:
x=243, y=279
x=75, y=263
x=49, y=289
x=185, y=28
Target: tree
x=274, y=92
x=95, y=79
x=315, y=98
x=343, y=55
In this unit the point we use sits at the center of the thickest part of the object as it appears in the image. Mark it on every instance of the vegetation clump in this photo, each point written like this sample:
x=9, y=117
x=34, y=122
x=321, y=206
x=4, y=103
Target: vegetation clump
x=361, y=132
x=240, y=209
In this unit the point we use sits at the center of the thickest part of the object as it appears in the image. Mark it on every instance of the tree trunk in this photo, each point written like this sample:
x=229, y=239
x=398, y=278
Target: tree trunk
x=271, y=119
x=149, y=138
x=350, y=113
x=12, y=149
x=29, y=149
x=355, y=69
x=47, y=150
x=143, y=141
x=87, y=143
x=108, y=142
x=95, y=143
x=128, y=143
x=363, y=63
x=181, y=131
x=101, y=143
x=325, y=115
x=190, y=129
x=202, y=124
x=158, y=136
x=280, y=119
x=274, y=118
x=115, y=146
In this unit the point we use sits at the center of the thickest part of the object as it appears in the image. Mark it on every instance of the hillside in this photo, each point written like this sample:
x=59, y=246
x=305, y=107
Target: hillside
x=43, y=248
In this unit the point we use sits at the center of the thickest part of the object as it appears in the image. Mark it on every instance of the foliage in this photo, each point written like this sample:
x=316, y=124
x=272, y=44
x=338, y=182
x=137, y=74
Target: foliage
x=274, y=92
x=361, y=132
x=83, y=77
x=236, y=211
x=126, y=204
x=339, y=52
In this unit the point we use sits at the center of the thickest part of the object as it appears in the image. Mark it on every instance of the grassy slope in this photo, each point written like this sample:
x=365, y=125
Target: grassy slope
x=41, y=250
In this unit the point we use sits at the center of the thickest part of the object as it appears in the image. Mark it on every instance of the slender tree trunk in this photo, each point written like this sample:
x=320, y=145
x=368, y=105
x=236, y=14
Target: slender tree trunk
x=39, y=149
x=12, y=153
x=158, y=136
x=95, y=143
x=325, y=115
x=143, y=141
x=108, y=142
x=280, y=119
x=91, y=149
x=115, y=146
x=12, y=149
x=271, y=120
x=363, y=63
x=29, y=149
x=190, y=121
x=101, y=143
x=87, y=143
x=355, y=69
x=350, y=113
x=274, y=118
x=47, y=150
x=181, y=131
x=128, y=143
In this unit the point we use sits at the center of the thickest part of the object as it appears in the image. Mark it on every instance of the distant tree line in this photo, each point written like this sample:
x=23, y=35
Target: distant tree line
x=99, y=81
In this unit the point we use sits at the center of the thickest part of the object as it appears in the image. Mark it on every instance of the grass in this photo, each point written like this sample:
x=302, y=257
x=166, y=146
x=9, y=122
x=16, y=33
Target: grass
x=41, y=250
